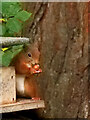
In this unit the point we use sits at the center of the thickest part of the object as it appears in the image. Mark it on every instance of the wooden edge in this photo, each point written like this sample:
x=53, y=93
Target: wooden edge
x=21, y=104
x=6, y=41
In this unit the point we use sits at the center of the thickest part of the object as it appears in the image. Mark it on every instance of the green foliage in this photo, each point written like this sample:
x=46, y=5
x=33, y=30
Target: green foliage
x=13, y=25
x=14, y=17
x=23, y=15
x=7, y=56
x=10, y=9
x=2, y=29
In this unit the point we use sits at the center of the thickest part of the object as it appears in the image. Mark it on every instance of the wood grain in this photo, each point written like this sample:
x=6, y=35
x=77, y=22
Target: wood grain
x=7, y=85
x=22, y=104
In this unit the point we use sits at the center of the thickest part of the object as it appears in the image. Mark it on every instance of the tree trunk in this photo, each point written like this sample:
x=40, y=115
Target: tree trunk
x=62, y=32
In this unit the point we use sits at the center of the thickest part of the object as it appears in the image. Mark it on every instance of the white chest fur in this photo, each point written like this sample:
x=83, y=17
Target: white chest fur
x=20, y=80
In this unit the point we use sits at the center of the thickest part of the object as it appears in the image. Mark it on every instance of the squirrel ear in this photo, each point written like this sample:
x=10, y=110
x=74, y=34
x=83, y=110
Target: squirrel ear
x=37, y=44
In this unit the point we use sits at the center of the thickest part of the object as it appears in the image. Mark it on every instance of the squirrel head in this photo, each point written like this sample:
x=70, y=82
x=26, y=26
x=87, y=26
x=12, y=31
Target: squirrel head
x=28, y=60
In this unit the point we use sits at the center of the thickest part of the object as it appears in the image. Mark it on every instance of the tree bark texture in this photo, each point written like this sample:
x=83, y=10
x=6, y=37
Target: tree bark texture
x=62, y=32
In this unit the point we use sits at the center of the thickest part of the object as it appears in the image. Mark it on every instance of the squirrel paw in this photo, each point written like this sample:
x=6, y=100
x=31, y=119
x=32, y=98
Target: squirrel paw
x=35, y=98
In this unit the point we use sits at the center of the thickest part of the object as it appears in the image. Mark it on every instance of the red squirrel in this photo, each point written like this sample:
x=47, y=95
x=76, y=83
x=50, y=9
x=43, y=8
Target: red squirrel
x=27, y=64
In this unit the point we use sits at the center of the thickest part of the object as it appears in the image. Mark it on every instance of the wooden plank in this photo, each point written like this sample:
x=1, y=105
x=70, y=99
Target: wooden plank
x=7, y=85
x=6, y=41
x=22, y=104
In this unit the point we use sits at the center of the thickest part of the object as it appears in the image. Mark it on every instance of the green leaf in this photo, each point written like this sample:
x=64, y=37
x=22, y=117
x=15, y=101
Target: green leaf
x=10, y=8
x=14, y=25
x=0, y=7
x=2, y=29
x=8, y=55
x=16, y=49
x=1, y=54
x=6, y=58
x=13, y=10
x=8, y=34
x=5, y=6
x=14, y=17
x=23, y=15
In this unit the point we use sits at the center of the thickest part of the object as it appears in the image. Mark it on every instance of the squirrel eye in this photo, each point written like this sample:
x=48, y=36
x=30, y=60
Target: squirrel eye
x=29, y=54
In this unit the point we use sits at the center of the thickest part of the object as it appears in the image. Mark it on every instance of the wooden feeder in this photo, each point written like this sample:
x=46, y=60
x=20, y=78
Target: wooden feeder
x=8, y=101
x=7, y=85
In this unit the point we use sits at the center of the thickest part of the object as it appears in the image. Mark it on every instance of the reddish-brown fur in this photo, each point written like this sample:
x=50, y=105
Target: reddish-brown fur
x=23, y=59
x=21, y=67
x=31, y=88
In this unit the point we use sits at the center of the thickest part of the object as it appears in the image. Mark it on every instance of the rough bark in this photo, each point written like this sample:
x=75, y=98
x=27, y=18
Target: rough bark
x=89, y=53
x=61, y=29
